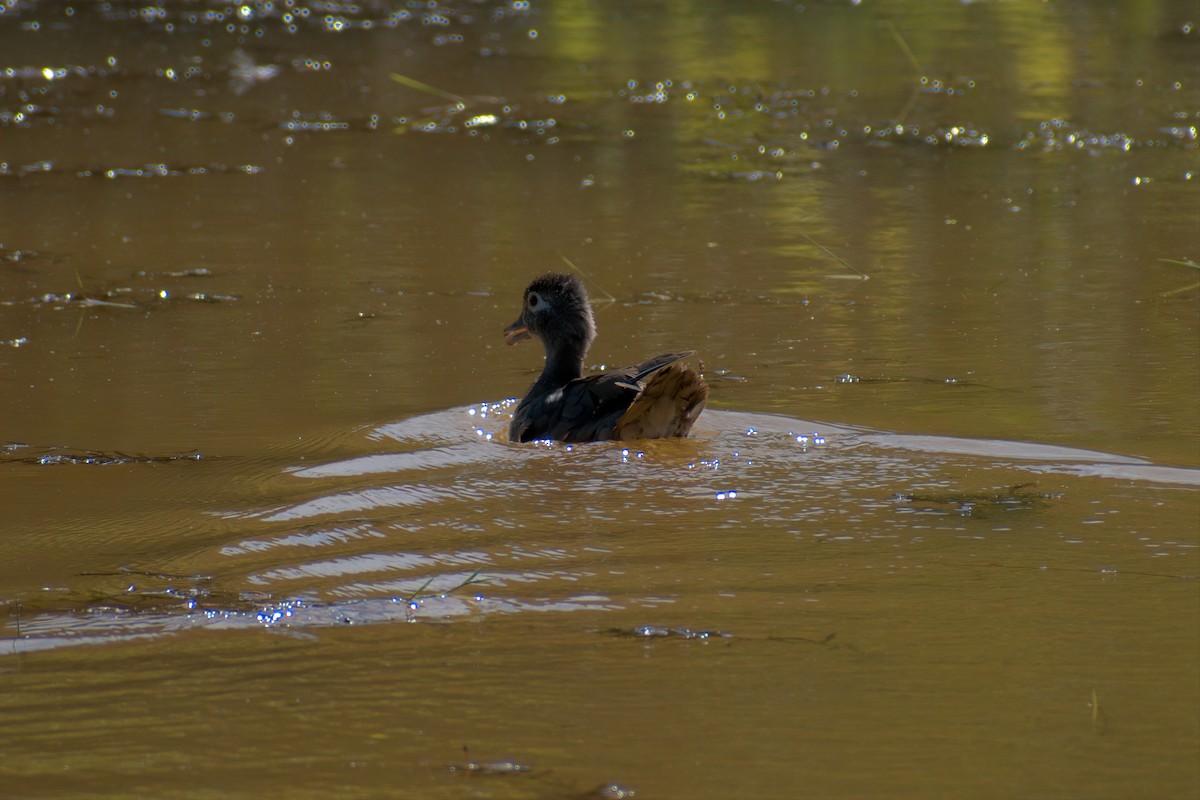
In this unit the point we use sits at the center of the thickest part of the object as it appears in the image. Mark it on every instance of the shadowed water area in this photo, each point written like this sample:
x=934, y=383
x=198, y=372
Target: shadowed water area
x=936, y=535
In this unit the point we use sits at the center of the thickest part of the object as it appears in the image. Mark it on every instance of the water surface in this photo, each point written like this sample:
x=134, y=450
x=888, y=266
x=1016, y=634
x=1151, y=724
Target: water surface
x=935, y=536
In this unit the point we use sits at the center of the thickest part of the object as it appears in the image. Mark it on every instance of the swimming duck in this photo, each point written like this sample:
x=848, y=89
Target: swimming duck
x=655, y=399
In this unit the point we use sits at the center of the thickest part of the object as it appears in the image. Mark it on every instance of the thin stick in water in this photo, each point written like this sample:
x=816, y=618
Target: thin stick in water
x=912, y=59
x=608, y=297
x=413, y=83
x=834, y=255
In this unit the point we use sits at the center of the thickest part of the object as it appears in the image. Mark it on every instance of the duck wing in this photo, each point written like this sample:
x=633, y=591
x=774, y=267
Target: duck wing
x=652, y=365
x=629, y=403
x=668, y=404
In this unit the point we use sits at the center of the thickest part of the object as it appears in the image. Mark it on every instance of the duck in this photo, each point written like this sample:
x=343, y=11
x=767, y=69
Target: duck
x=656, y=399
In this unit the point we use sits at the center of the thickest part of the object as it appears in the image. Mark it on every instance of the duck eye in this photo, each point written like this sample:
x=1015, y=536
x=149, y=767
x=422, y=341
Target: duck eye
x=534, y=300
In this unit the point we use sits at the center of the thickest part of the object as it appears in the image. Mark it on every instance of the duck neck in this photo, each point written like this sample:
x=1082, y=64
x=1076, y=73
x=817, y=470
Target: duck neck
x=564, y=364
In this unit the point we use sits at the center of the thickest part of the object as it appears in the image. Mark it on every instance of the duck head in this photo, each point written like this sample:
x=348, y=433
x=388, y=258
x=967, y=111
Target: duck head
x=556, y=310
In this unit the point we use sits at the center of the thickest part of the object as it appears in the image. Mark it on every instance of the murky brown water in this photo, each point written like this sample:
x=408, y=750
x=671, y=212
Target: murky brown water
x=936, y=536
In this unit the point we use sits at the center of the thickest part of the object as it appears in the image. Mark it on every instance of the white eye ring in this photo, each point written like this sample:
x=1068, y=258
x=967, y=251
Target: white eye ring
x=534, y=299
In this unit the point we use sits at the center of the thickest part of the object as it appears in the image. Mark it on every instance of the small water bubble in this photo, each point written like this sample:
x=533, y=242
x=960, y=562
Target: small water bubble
x=720, y=495
x=471, y=411
x=751, y=432
x=732, y=494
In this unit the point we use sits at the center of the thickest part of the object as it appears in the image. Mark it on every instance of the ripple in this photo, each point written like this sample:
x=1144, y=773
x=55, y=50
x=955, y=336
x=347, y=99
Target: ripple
x=370, y=499
x=457, y=525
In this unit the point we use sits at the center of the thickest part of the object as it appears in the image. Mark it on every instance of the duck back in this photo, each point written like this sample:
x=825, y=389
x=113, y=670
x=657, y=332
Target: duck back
x=658, y=398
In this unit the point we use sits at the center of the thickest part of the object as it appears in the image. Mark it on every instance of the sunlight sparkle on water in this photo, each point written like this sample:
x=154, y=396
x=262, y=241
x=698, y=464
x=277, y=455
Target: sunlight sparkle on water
x=272, y=616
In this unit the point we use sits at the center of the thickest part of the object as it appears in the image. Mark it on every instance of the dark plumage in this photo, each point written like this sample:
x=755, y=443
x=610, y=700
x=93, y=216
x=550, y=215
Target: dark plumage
x=655, y=399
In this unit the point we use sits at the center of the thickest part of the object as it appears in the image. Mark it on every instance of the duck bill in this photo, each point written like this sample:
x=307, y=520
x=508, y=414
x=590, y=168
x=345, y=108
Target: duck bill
x=517, y=332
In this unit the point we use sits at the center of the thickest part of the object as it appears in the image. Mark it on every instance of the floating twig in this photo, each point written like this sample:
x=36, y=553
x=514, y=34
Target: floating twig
x=916, y=65
x=1181, y=262
x=472, y=578
x=607, y=297
x=413, y=83
x=904, y=48
x=835, y=256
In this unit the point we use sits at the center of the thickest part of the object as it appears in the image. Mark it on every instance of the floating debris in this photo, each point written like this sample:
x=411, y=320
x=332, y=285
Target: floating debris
x=196, y=115
x=1060, y=134
x=610, y=791
x=953, y=135
x=16, y=256
x=127, y=298
x=245, y=74
x=55, y=456
x=142, y=171
x=318, y=123
x=1014, y=498
x=658, y=632
x=490, y=767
